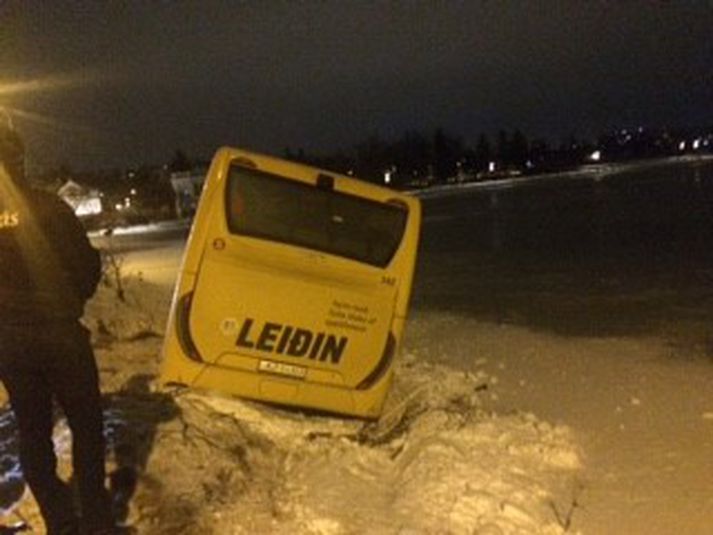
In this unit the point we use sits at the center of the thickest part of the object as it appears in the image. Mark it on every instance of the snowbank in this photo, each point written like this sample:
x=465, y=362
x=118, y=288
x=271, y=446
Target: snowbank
x=436, y=462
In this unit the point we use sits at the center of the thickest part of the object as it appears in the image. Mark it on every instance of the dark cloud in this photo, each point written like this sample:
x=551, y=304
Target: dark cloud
x=148, y=77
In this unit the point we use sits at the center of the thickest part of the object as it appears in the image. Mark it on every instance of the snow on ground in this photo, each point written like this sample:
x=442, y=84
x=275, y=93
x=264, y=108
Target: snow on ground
x=436, y=462
x=636, y=405
x=148, y=228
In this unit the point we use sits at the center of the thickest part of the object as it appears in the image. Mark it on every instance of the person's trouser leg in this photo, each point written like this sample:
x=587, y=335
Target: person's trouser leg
x=31, y=401
x=75, y=382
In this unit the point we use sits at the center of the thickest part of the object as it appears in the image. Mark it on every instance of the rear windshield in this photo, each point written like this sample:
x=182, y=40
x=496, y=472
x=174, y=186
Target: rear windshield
x=267, y=206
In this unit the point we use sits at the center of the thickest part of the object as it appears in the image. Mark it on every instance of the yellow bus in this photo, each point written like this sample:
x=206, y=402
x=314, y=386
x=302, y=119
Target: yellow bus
x=294, y=286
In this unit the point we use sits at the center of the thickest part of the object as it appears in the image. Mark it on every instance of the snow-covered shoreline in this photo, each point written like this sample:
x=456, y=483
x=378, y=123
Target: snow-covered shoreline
x=586, y=172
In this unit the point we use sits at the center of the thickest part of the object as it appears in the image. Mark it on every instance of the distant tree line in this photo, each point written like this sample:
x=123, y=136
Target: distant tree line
x=417, y=157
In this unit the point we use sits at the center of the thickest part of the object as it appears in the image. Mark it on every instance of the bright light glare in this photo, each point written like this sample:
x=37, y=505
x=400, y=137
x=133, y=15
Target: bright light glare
x=14, y=90
x=46, y=120
x=596, y=156
x=51, y=83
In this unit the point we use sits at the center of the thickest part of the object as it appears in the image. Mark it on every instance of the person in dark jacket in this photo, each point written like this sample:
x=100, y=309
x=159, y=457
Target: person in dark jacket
x=48, y=269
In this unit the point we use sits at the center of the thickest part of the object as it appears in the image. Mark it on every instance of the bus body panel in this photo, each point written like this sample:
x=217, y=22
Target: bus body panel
x=329, y=326
x=283, y=322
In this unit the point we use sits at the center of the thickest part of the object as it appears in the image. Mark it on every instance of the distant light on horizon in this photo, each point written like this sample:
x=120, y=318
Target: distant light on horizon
x=595, y=156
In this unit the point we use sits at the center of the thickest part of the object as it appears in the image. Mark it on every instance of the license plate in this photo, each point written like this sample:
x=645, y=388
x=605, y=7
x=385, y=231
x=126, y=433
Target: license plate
x=280, y=368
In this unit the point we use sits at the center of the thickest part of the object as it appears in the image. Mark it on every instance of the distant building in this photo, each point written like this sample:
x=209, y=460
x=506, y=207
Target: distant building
x=187, y=186
x=84, y=201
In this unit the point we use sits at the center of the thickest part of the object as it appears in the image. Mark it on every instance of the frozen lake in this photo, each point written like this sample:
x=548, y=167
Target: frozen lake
x=647, y=227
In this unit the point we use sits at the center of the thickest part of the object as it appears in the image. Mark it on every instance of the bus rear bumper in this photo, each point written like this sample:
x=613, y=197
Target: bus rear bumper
x=179, y=369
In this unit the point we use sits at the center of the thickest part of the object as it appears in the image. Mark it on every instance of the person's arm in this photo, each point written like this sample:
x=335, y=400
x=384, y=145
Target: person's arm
x=79, y=257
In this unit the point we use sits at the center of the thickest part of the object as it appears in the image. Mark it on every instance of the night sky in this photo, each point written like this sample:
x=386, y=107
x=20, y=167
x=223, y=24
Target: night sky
x=98, y=84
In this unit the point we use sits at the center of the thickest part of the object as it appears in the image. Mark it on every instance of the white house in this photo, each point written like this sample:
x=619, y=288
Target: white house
x=84, y=201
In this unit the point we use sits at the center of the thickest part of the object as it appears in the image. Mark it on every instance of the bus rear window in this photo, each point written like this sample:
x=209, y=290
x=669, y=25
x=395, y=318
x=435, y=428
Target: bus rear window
x=270, y=207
